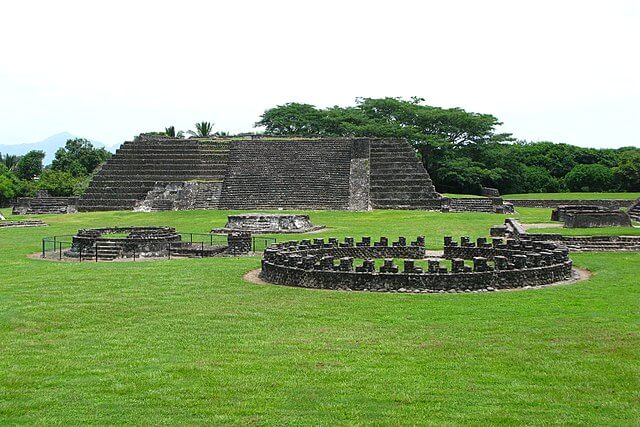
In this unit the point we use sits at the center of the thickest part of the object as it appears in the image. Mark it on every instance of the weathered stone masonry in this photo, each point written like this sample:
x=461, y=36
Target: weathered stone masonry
x=267, y=173
x=496, y=265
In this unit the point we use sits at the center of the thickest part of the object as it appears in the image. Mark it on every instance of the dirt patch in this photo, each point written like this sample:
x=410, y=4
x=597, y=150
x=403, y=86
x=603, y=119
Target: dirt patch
x=578, y=275
x=253, y=276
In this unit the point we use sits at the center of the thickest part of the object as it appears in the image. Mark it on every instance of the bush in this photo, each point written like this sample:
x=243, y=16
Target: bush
x=594, y=177
x=538, y=180
x=61, y=184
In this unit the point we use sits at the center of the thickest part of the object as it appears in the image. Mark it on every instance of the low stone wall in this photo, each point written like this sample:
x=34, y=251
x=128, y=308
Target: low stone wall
x=539, y=203
x=44, y=205
x=560, y=213
x=268, y=223
x=25, y=223
x=157, y=242
x=513, y=264
x=514, y=229
x=140, y=241
x=596, y=219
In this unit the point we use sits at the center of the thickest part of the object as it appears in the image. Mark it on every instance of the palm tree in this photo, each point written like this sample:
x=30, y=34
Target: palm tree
x=9, y=160
x=171, y=131
x=203, y=130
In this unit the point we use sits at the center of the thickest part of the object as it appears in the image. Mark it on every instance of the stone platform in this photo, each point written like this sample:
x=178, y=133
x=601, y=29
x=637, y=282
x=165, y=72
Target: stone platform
x=590, y=216
x=495, y=265
x=263, y=223
x=24, y=223
x=113, y=243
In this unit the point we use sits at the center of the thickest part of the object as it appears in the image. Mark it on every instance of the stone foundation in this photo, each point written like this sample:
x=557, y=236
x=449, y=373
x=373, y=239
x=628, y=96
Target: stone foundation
x=262, y=223
x=25, y=223
x=44, y=205
x=514, y=229
x=496, y=265
x=596, y=219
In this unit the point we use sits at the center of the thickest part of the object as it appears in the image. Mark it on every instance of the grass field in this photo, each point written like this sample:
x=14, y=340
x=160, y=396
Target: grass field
x=190, y=342
x=572, y=196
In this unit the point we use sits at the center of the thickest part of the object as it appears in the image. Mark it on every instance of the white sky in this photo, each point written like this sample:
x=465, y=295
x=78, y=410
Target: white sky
x=565, y=71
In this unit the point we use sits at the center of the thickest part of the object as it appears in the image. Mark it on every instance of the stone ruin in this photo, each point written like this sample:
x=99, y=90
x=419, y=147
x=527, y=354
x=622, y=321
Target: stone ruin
x=43, y=203
x=263, y=223
x=513, y=229
x=587, y=216
x=477, y=204
x=634, y=210
x=494, y=265
x=22, y=223
x=264, y=173
x=155, y=173
x=111, y=243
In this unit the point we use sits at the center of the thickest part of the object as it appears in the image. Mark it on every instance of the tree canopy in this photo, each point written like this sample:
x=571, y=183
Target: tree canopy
x=462, y=150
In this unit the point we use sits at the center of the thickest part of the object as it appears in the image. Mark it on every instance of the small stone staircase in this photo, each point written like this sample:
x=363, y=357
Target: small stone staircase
x=398, y=179
x=44, y=205
x=480, y=204
x=107, y=251
x=634, y=211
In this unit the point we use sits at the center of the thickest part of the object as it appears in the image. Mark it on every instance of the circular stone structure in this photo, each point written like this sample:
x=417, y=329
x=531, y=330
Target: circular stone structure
x=263, y=223
x=123, y=242
x=473, y=266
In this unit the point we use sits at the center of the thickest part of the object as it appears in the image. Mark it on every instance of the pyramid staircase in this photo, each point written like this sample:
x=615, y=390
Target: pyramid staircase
x=288, y=174
x=634, y=211
x=138, y=165
x=398, y=180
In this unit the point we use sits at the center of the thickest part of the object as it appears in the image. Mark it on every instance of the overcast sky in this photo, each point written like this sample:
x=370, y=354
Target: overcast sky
x=565, y=71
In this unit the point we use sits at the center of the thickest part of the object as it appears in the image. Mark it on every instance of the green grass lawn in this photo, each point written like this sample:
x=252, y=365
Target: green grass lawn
x=190, y=342
x=572, y=196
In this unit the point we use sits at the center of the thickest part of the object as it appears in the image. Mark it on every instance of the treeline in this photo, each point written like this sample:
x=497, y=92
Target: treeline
x=462, y=150
x=68, y=175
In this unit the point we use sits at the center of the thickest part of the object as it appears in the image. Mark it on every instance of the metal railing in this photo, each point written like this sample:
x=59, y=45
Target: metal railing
x=54, y=246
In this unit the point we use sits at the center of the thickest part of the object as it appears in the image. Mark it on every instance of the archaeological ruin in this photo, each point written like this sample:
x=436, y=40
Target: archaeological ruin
x=263, y=223
x=513, y=229
x=479, y=266
x=43, y=203
x=590, y=216
x=129, y=243
x=155, y=173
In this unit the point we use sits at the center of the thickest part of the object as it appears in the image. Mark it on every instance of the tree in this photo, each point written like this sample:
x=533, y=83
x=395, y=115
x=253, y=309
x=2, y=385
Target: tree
x=203, y=130
x=171, y=132
x=9, y=160
x=58, y=183
x=10, y=185
x=79, y=157
x=627, y=173
x=594, y=177
x=30, y=165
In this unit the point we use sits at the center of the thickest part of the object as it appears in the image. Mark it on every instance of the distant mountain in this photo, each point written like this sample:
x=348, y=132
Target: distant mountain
x=49, y=146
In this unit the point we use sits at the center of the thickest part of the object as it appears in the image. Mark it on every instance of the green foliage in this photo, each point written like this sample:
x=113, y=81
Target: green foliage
x=171, y=132
x=9, y=160
x=30, y=165
x=595, y=177
x=79, y=157
x=461, y=150
x=627, y=173
x=203, y=130
x=11, y=186
x=58, y=183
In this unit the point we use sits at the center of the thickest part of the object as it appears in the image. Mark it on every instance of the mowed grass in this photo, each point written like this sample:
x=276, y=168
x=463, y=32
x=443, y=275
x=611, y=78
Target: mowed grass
x=572, y=196
x=190, y=342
